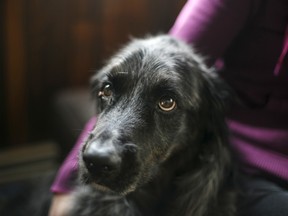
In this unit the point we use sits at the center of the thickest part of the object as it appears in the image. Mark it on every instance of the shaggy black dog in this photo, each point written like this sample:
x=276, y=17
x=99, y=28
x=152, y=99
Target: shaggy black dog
x=160, y=144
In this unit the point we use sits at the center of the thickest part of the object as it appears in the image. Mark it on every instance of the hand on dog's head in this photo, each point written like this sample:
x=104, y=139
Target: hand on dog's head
x=155, y=99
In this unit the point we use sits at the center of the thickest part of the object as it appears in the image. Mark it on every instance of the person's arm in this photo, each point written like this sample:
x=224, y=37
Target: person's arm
x=64, y=181
x=60, y=204
x=211, y=25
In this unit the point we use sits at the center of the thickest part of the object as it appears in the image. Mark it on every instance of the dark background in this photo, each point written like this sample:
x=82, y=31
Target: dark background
x=47, y=46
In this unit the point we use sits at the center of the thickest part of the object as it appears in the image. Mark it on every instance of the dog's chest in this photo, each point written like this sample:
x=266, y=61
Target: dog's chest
x=155, y=199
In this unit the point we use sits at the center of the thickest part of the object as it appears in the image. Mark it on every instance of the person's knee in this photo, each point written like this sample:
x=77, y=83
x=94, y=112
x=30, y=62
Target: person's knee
x=273, y=204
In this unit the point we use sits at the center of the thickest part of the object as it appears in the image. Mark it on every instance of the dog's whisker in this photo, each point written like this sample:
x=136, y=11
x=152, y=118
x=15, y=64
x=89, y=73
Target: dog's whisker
x=123, y=72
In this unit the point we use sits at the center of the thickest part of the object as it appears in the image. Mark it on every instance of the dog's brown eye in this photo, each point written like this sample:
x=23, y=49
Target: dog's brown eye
x=167, y=104
x=106, y=91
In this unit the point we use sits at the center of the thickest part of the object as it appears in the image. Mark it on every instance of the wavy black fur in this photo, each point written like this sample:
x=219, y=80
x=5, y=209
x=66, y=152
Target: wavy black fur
x=171, y=163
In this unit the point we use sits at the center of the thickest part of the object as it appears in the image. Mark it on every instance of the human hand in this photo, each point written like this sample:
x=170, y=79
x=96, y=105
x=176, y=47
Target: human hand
x=60, y=205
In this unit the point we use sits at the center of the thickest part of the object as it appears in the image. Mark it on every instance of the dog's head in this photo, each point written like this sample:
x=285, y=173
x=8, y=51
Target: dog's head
x=154, y=98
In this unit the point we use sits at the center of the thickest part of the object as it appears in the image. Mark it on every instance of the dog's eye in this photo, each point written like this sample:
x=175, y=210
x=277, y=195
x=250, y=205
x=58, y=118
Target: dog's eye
x=167, y=104
x=106, y=91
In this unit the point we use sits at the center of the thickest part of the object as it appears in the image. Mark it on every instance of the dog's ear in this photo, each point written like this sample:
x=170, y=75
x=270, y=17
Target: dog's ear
x=215, y=156
x=202, y=188
x=219, y=95
x=217, y=98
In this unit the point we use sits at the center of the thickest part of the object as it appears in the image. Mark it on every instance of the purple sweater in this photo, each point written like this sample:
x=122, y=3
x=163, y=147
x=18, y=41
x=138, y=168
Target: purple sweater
x=248, y=36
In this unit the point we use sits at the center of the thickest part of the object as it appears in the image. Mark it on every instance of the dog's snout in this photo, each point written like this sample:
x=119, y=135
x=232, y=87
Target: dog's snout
x=101, y=160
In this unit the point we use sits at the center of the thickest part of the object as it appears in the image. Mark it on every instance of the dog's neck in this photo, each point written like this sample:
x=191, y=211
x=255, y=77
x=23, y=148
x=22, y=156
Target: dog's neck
x=156, y=195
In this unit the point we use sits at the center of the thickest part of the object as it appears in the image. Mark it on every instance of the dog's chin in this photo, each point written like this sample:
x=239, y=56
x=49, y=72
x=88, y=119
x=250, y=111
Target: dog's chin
x=120, y=191
x=101, y=187
x=116, y=186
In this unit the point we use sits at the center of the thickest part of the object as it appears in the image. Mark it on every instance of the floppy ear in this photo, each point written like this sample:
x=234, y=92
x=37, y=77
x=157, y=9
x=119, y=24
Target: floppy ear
x=218, y=97
x=219, y=91
x=201, y=187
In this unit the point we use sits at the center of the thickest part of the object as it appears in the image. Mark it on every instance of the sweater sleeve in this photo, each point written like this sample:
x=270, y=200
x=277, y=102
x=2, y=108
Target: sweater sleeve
x=64, y=181
x=211, y=25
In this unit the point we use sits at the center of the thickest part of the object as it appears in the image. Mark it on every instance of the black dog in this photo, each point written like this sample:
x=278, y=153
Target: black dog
x=160, y=144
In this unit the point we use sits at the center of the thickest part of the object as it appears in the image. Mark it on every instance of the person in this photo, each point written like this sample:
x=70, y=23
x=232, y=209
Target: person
x=250, y=40
x=64, y=182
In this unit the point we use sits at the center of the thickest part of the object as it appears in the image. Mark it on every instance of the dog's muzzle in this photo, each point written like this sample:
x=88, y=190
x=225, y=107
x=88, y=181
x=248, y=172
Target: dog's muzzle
x=102, y=160
x=110, y=161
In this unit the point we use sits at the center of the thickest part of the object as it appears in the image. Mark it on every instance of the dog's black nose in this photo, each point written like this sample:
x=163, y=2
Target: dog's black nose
x=101, y=160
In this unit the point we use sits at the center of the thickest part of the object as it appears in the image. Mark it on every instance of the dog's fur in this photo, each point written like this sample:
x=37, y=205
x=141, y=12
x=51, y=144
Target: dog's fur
x=173, y=162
